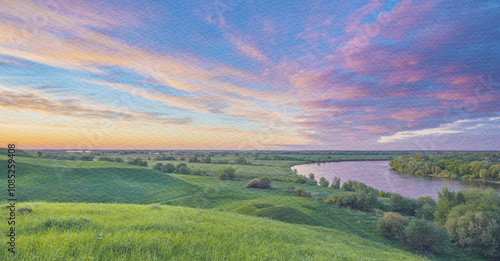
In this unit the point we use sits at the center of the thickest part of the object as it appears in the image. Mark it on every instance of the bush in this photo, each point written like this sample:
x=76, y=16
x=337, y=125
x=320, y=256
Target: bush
x=105, y=159
x=302, y=193
x=290, y=189
x=311, y=182
x=301, y=180
x=392, y=226
x=323, y=182
x=423, y=235
x=119, y=160
x=261, y=183
x=362, y=200
x=226, y=173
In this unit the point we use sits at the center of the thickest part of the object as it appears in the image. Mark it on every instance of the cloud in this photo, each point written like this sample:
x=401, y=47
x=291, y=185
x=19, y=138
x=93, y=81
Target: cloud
x=249, y=50
x=28, y=99
x=459, y=126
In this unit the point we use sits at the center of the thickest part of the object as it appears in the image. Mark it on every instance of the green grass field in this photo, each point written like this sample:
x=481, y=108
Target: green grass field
x=96, y=182
x=65, y=231
x=148, y=215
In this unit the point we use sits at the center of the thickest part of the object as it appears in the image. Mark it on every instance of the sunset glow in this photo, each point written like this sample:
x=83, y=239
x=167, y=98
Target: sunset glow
x=349, y=75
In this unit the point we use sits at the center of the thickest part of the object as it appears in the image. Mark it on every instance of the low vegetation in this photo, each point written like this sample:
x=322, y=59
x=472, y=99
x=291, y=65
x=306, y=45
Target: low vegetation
x=261, y=183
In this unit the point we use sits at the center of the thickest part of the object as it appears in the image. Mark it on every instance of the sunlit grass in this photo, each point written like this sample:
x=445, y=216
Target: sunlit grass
x=56, y=231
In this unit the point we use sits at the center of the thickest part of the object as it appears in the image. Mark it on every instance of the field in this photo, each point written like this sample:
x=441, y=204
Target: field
x=95, y=210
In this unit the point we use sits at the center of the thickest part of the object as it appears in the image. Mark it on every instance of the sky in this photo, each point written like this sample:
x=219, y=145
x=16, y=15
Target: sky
x=250, y=75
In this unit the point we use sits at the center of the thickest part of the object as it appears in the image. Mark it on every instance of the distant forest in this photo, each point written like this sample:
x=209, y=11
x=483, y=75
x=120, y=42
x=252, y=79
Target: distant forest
x=457, y=165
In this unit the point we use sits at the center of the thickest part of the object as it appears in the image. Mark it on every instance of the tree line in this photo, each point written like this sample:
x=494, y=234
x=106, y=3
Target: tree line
x=460, y=165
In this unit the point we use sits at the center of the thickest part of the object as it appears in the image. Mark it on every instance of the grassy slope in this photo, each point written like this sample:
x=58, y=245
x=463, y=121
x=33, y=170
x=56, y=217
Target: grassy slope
x=278, y=205
x=20, y=153
x=79, y=181
x=57, y=231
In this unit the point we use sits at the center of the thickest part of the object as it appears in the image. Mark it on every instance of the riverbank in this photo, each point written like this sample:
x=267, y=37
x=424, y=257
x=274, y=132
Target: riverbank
x=377, y=174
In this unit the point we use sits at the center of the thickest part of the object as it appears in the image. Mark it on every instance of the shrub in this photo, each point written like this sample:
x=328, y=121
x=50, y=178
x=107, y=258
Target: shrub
x=261, y=183
x=423, y=235
x=105, y=159
x=290, y=189
x=24, y=210
x=362, y=200
x=311, y=182
x=392, y=225
x=302, y=193
x=323, y=182
x=226, y=173
x=301, y=180
x=119, y=160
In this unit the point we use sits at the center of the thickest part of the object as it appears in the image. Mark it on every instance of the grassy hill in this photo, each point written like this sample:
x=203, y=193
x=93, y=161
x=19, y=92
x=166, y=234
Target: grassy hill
x=98, y=182
x=20, y=153
x=195, y=218
x=66, y=231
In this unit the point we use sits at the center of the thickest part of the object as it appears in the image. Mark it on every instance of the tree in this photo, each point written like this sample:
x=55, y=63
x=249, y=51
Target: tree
x=226, y=173
x=301, y=179
x=157, y=166
x=39, y=153
x=336, y=183
x=426, y=207
x=323, y=182
x=403, y=205
x=138, y=162
x=426, y=237
x=477, y=232
x=392, y=225
x=240, y=161
x=483, y=173
x=170, y=168
x=446, y=200
x=193, y=159
x=495, y=171
x=183, y=170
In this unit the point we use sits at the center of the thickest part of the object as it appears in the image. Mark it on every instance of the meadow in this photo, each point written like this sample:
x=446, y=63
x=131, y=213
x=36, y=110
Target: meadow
x=98, y=210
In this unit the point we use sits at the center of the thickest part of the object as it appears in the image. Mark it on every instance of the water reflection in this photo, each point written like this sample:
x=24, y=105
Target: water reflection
x=377, y=174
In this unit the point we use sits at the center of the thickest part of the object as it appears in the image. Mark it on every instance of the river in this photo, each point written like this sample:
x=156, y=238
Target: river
x=377, y=174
